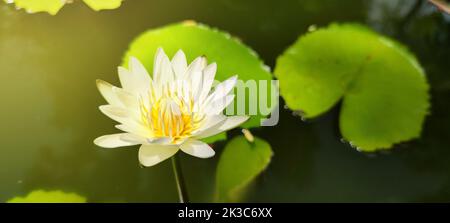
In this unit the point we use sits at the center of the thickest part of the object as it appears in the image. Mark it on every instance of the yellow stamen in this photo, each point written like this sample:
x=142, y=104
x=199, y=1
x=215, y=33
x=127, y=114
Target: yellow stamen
x=170, y=116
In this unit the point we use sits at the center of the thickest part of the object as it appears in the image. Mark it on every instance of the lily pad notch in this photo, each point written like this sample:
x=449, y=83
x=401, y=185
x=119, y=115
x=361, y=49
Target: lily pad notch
x=382, y=86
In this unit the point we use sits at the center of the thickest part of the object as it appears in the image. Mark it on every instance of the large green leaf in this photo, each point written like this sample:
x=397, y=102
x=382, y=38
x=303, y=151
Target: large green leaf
x=232, y=57
x=53, y=6
x=42, y=196
x=32, y=6
x=384, y=89
x=240, y=162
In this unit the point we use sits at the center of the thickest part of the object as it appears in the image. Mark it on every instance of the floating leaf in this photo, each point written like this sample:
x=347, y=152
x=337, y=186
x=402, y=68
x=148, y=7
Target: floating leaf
x=384, y=89
x=103, y=4
x=53, y=6
x=32, y=6
x=240, y=162
x=219, y=137
x=232, y=57
x=42, y=196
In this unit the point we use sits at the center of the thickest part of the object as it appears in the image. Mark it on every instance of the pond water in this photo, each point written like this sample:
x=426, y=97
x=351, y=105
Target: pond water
x=49, y=114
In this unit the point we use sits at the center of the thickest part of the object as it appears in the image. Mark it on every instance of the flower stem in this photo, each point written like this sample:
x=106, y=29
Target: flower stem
x=181, y=188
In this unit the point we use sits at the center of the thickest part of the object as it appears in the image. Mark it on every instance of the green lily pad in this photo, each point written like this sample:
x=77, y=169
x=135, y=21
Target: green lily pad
x=232, y=57
x=383, y=87
x=103, y=4
x=33, y=6
x=42, y=196
x=53, y=6
x=240, y=163
x=215, y=138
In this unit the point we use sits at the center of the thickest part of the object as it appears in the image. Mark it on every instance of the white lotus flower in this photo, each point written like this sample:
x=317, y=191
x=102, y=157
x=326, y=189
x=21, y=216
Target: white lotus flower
x=170, y=112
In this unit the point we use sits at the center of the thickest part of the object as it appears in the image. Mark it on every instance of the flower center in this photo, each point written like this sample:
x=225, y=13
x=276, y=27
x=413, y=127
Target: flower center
x=169, y=117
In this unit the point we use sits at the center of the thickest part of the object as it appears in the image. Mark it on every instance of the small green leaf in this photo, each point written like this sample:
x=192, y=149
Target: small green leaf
x=232, y=57
x=33, y=6
x=240, y=163
x=384, y=89
x=53, y=6
x=42, y=196
x=103, y=4
x=212, y=139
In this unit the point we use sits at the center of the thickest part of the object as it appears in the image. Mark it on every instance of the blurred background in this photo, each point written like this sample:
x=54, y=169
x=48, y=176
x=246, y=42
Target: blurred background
x=49, y=105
